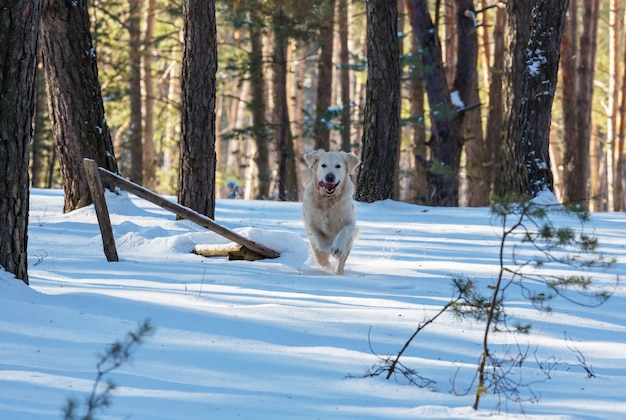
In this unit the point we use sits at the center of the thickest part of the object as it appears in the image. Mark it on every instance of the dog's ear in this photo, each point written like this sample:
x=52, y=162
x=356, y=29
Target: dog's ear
x=312, y=157
x=352, y=162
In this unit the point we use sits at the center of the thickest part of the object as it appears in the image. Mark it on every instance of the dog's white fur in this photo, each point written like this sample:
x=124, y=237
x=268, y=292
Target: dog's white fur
x=327, y=206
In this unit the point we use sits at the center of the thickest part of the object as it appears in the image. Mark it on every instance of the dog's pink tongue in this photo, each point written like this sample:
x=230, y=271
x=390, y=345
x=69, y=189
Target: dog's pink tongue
x=327, y=185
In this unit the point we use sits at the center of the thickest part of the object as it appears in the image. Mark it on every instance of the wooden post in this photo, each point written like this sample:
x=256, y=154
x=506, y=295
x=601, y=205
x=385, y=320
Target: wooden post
x=186, y=213
x=100, y=204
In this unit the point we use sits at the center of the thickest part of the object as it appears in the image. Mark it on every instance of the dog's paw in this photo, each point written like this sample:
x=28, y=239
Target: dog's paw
x=336, y=251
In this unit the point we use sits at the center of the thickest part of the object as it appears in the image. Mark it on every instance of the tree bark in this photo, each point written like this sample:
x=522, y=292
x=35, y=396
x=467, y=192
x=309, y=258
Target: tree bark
x=613, y=181
x=621, y=158
x=150, y=159
x=74, y=97
x=574, y=182
x=418, y=184
x=585, y=129
x=466, y=84
x=534, y=39
x=287, y=181
x=135, y=131
x=321, y=132
x=18, y=61
x=258, y=108
x=445, y=141
x=344, y=76
x=382, y=107
x=493, y=136
x=42, y=144
x=577, y=135
x=197, y=145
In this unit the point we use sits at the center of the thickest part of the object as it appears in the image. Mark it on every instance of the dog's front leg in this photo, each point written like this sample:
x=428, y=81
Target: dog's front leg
x=319, y=249
x=342, y=246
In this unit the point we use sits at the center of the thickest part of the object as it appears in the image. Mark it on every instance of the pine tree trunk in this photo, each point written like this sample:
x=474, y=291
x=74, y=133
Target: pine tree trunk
x=287, y=189
x=446, y=141
x=149, y=153
x=578, y=148
x=344, y=75
x=258, y=107
x=398, y=184
x=171, y=151
x=613, y=182
x=534, y=39
x=493, y=136
x=620, y=203
x=74, y=97
x=574, y=182
x=585, y=131
x=295, y=83
x=418, y=184
x=136, y=116
x=381, y=122
x=18, y=60
x=42, y=143
x=321, y=131
x=197, y=145
x=466, y=84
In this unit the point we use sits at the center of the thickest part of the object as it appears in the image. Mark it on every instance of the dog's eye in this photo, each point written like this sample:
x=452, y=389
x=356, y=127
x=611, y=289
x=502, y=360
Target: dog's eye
x=338, y=166
x=323, y=165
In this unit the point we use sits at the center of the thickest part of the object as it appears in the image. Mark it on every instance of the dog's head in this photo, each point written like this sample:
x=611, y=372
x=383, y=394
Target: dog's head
x=331, y=169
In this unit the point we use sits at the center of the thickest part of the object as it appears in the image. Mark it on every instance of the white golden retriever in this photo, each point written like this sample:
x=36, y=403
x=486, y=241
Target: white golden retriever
x=327, y=206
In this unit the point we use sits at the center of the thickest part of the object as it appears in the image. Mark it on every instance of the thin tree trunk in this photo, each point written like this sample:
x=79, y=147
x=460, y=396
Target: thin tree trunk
x=466, y=84
x=445, y=142
x=344, y=75
x=359, y=90
x=577, y=78
x=136, y=116
x=235, y=147
x=613, y=189
x=446, y=24
x=620, y=203
x=295, y=84
x=149, y=151
x=398, y=183
x=574, y=182
x=42, y=143
x=321, y=132
x=197, y=154
x=585, y=76
x=418, y=183
x=493, y=137
x=170, y=146
x=485, y=35
x=258, y=107
x=287, y=188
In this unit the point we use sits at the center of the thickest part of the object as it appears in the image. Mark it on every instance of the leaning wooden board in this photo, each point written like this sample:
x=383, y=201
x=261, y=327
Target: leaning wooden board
x=186, y=213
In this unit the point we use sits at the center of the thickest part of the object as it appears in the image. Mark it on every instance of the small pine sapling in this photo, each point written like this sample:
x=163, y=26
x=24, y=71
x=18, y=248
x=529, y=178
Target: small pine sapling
x=535, y=242
x=115, y=356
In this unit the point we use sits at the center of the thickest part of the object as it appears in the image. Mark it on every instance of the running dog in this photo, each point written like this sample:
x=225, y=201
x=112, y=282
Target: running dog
x=327, y=206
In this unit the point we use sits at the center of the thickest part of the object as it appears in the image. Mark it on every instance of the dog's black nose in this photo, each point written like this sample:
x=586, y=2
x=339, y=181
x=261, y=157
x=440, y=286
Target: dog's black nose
x=330, y=178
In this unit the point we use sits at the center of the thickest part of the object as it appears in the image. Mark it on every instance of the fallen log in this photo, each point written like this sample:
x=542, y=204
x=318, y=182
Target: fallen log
x=232, y=250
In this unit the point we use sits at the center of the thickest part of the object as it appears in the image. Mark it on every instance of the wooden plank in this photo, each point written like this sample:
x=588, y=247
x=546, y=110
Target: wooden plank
x=102, y=211
x=186, y=213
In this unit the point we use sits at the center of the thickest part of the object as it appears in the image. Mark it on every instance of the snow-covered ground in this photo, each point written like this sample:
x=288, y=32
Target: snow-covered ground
x=281, y=338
